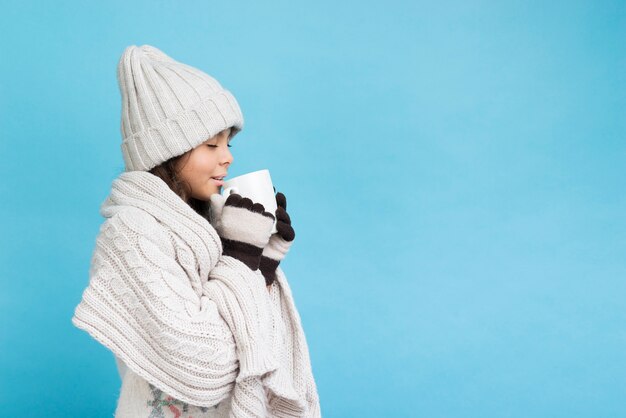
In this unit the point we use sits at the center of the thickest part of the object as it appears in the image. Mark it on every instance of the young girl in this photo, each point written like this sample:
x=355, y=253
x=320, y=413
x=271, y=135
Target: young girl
x=185, y=286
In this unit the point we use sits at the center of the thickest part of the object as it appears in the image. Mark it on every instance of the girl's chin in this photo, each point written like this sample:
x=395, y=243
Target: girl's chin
x=206, y=194
x=213, y=190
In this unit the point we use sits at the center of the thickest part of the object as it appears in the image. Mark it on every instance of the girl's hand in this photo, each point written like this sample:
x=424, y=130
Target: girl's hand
x=279, y=243
x=243, y=226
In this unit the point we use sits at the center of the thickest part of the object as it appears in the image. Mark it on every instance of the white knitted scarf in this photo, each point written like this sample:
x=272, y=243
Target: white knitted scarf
x=198, y=325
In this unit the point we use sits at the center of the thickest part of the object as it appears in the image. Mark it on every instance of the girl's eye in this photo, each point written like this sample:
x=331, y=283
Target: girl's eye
x=215, y=146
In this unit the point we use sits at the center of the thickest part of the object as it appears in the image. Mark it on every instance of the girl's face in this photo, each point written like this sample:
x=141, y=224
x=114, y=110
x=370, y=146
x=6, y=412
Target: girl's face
x=209, y=159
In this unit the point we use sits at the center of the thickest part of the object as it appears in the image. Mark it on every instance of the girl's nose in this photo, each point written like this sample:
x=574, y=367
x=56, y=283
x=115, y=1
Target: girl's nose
x=227, y=157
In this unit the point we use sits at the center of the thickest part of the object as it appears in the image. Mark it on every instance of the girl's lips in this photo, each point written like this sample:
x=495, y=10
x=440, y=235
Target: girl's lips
x=218, y=182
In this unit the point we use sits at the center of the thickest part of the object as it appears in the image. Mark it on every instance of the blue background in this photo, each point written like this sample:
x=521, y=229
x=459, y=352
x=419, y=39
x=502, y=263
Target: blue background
x=455, y=172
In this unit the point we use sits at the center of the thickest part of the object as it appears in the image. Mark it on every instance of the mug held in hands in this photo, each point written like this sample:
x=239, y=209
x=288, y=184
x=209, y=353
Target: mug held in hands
x=243, y=226
x=256, y=186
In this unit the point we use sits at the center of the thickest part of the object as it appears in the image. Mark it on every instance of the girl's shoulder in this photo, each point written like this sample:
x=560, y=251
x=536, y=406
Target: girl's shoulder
x=134, y=219
x=133, y=224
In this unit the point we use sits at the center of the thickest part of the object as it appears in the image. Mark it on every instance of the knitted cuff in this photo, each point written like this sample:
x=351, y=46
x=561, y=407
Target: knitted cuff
x=248, y=254
x=268, y=267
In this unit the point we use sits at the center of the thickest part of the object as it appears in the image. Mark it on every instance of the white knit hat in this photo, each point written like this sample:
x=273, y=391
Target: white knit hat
x=168, y=107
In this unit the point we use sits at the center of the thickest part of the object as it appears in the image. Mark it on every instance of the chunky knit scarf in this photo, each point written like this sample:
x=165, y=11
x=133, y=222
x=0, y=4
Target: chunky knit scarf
x=197, y=324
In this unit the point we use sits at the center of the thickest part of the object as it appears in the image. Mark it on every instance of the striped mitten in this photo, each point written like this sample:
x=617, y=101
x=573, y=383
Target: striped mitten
x=279, y=243
x=243, y=226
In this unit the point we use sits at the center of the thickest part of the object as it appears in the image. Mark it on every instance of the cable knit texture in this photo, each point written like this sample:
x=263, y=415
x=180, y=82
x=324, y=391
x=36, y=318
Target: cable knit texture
x=191, y=322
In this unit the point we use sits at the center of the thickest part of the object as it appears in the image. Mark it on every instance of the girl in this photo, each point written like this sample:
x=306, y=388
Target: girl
x=185, y=286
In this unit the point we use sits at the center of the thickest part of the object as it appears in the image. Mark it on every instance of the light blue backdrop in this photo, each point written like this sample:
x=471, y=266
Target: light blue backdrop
x=455, y=172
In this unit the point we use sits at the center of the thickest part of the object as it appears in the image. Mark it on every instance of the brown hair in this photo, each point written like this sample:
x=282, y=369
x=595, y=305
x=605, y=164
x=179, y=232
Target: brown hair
x=168, y=172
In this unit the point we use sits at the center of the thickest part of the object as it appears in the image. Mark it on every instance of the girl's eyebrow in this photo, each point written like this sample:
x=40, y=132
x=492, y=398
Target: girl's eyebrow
x=216, y=138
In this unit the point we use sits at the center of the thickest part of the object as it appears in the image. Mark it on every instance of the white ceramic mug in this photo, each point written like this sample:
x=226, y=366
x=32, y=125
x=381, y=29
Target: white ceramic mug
x=257, y=186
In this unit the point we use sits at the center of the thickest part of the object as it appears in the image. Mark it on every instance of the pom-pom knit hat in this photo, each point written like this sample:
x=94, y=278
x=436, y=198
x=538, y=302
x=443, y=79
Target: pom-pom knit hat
x=168, y=107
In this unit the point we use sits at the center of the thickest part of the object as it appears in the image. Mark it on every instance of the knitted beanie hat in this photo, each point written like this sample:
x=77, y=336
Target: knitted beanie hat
x=168, y=107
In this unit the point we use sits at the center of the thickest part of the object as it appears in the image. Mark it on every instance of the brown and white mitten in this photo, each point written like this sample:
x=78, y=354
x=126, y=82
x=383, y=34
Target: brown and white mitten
x=243, y=226
x=280, y=242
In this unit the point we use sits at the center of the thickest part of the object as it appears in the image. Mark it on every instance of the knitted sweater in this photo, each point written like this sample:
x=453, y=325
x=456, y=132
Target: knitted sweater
x=192, y=323
x=139, y=398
